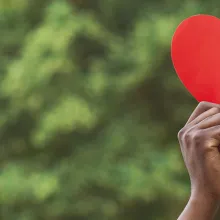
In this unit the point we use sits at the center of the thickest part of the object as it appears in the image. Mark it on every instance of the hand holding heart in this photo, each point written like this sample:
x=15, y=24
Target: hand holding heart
x=195, y=54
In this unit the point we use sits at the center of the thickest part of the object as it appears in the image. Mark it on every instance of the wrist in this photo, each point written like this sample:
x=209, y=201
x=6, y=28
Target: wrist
x=201, y=206
x=204, y=198
x=207, y=203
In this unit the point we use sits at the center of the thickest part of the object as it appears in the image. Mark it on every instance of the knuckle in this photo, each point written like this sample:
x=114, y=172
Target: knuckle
x=181, y=134
x=187, y=137
x=203, y=103
x=196, y=137
x=211, y=142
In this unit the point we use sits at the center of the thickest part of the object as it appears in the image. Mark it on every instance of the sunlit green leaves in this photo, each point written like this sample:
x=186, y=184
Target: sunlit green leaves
x=90, y=107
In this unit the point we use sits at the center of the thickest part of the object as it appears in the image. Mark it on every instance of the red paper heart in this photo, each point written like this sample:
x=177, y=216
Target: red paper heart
x=195, y=54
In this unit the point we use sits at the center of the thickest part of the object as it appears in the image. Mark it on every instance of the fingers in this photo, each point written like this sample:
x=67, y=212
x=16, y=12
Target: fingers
x=214, y=135
x=205, y=116
x=204, y=138
x=210, y=121
x=201, y=108
x=212, y=112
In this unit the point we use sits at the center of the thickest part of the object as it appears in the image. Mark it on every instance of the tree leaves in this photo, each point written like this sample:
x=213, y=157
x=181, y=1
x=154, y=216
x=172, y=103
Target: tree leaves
x=90, y=108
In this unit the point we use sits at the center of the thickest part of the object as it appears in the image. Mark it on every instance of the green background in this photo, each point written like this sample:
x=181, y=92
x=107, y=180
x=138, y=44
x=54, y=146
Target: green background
x=90, y=107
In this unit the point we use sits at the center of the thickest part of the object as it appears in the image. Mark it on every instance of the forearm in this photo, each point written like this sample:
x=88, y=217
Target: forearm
x=200, y=207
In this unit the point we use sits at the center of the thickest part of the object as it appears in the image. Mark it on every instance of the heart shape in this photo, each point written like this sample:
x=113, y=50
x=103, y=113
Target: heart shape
x=195, y=53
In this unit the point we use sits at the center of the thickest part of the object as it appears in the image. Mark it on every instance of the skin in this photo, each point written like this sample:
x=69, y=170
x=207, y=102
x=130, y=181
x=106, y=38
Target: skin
x=199, y=141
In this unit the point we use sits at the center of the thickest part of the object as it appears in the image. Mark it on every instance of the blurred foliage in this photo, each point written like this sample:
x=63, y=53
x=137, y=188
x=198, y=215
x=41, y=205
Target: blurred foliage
x=89, y=109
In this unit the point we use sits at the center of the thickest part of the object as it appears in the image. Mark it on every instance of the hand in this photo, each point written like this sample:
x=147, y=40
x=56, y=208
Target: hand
x=200, y=140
